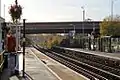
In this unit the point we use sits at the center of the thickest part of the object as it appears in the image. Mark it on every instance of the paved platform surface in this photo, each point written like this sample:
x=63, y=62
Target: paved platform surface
x=62, y=72
x=40, y=67
x=34, y=68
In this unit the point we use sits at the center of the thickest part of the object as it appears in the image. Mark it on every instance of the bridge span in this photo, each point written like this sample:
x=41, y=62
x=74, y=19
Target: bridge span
x=61, y=27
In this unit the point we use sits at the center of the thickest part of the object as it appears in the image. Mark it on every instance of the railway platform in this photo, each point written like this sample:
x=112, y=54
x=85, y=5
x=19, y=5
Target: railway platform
x=40, y=67
x=34, y=69
x=102, y=54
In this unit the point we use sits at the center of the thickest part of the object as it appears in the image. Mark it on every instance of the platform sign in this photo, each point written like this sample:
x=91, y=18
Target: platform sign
x=72, y=33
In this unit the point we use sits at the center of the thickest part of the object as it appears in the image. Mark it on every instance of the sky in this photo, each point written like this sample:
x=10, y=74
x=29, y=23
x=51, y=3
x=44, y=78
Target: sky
x=61, y=10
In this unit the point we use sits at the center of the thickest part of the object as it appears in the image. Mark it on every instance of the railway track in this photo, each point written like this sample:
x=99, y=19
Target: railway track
x=113, y=70
x=92, y=72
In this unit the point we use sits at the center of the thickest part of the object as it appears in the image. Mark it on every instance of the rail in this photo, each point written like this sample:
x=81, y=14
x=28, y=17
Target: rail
x=71, y=64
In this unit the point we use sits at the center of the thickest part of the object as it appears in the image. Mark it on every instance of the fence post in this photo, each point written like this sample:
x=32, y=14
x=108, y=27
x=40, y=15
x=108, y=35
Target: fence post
x=110, y=45
x=99, y=43
x=89, y=43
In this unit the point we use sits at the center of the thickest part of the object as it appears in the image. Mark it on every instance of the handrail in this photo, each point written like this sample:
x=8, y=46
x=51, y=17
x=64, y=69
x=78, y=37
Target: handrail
x=2, y=63
x=2, y=52
x=2, y=60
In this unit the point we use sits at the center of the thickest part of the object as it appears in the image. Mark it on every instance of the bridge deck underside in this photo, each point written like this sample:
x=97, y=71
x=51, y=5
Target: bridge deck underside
x=37, y=31
x=61, y=27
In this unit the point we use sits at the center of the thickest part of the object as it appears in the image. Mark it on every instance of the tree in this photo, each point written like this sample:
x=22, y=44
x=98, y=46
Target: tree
x=110, y=27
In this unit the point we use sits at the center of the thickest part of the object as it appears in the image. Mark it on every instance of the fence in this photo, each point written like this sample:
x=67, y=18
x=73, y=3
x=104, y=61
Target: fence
x=103, y=44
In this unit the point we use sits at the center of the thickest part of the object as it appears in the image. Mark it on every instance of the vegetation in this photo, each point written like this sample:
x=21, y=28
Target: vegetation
x=53, y=41
x=46, y=40
x=28, y=42
x=110, y=27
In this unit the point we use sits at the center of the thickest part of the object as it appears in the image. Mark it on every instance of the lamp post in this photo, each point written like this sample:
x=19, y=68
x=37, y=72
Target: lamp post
x=83, y=25
x=112, y=7
x=111, y=10
x=4, y=11
x=83, y=19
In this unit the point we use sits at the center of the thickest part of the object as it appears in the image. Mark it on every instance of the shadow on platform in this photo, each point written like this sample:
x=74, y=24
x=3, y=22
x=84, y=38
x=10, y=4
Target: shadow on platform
x=6, y=75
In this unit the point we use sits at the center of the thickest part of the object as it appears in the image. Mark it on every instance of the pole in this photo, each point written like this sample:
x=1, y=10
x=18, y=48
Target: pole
x=83, y=14
x=83, y=23
x=110, y=50
x=0, y=8
x=83, y=26
x=23, y=47
x=112, y=10
x=74, y=28
x=4, y=11
x=19, y=37
x=83, y=19
x=17, y=45
x=74, y=31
